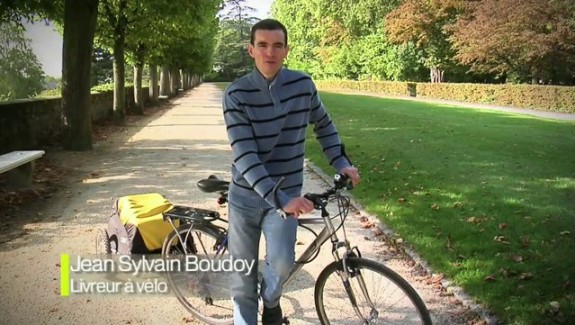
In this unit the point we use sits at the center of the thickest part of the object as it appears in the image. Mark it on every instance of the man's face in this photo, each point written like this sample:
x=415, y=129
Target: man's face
x=269, y=51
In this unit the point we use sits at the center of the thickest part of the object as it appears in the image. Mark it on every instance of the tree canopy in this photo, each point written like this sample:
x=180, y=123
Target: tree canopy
x=231, y=59
x=345, y=39
x=525, y=41
x=21, y=72
x=447, y=40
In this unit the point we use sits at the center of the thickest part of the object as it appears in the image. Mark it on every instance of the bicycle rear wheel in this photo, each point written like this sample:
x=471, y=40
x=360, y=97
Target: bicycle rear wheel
x=383, y=298
x=203, y=291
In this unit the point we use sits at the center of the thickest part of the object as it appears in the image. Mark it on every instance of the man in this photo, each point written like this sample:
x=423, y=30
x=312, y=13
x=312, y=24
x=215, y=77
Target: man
x=266, y=114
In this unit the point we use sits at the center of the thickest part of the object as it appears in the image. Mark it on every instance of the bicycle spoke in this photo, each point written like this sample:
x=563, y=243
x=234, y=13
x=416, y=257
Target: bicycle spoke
x=380, y=299
x=204, y=294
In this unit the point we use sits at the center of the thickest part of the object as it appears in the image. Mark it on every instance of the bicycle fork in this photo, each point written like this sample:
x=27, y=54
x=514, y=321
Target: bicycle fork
x=349, y=272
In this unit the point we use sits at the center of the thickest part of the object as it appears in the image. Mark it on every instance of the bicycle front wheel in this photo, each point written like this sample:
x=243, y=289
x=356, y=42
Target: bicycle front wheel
x=371, y=294
x=202, y=286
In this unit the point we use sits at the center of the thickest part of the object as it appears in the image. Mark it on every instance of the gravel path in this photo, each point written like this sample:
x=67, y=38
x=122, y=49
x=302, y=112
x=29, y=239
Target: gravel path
x=166, y=152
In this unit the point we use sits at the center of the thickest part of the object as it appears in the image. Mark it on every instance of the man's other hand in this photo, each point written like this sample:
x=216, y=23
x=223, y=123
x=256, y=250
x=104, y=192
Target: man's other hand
x=352, y=173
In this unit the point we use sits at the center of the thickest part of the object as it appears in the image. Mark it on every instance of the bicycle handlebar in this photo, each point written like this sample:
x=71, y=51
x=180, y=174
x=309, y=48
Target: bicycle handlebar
x=319, y=200
x=340, y=181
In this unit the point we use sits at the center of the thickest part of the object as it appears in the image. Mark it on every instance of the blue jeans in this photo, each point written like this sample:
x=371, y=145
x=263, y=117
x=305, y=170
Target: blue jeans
x=245, y=227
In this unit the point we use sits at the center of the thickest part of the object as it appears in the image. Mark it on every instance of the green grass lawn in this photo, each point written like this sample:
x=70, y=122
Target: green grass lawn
x=221, y=85
x=487, y=198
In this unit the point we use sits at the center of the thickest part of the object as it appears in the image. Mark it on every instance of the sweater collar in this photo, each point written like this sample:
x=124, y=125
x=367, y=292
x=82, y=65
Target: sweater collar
x=262, y=83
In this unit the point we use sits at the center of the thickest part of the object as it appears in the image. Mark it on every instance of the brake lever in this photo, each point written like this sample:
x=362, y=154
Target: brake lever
x=318, y=201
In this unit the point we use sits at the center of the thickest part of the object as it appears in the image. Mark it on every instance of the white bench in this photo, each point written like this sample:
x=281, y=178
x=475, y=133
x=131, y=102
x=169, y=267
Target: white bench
x=19, y=165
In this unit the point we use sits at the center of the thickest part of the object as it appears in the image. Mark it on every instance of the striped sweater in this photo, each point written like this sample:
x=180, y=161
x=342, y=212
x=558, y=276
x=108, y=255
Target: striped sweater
x=266, y=124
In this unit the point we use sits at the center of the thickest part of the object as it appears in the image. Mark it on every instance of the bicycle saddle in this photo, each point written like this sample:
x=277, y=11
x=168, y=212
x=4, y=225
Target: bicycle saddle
x=213, y=184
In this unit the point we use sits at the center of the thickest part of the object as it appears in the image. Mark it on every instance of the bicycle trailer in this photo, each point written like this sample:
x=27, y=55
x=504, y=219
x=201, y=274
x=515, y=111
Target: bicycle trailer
x=137, y=226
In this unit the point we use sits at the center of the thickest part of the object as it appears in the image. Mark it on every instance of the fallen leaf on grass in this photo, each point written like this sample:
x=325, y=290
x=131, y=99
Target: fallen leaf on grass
x=448, y=244
x=476, y=220
x=501, y=239
x=435, y=206
x=525, y=242
x=502, y=226
x=516, y=258
x=566, y=232
x=490, y=278
x=525, y=276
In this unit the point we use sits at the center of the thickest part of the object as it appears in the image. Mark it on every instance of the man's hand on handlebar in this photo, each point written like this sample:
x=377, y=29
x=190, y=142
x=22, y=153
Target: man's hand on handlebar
x=352, y=173
x=297, y=206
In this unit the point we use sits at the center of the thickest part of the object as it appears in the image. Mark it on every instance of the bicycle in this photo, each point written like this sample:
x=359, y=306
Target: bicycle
x=346, y=282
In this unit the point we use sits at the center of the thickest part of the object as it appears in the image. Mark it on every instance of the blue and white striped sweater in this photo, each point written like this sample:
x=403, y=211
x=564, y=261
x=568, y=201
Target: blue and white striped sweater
x=266, y=124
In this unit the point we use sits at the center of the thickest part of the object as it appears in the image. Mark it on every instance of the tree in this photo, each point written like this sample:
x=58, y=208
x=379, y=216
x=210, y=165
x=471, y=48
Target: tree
x=79, y=28
x=345, y=39
x=78, y=18
x=112, y=28
x=534, y=41
x=102, y=67
x=21, y=74
x=18, y=10
x=304, y=23
x=425, y=23
x=230, y=54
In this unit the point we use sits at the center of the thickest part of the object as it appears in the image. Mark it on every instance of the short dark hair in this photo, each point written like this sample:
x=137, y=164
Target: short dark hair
x=268, y=24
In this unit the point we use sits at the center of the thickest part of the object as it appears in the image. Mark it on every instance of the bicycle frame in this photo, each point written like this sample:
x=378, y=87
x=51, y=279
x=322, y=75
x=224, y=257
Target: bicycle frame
x=326, y=233
x=329, y=231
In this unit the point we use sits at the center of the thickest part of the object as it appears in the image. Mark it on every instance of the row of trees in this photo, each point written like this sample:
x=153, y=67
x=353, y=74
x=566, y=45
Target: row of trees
x=455, y=40
x=176, y=35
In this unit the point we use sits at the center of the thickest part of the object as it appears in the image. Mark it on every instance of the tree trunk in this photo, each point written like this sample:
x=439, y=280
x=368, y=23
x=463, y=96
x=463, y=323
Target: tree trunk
x=436, y=75
x=153, y=83
x=119, y=108
x=172, y=82
x=79, y=28
x=185, y=81
x=138, y=72
x=138, y=95
x=165, y=81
